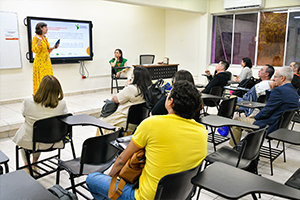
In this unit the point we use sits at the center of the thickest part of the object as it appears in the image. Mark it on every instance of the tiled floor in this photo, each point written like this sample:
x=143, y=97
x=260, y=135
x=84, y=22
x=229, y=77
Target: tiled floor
x=11, y=118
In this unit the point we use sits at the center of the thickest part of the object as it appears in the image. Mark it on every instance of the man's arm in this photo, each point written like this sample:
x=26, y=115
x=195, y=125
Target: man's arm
x=274, y=101
x=211, y=84
x=123, y=158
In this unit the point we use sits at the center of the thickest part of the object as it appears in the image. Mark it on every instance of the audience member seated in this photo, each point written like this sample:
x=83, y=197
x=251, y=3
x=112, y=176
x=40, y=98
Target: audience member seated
x=159, y=108
x=281, y=97
x=220, y=79
x=170, y=146
x=132, y=94
x=296, y=79
x=265, y=74
x=246, y=71
x=119, y=61
x=47, y=102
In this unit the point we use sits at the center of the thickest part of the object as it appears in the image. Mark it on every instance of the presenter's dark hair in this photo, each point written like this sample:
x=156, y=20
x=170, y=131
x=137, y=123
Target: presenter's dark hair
x=49, y=92
x=248, y=62
x=186, y=99
x=38, y=27
x=270, y=69
x=225, y=64
x=121, y=57
x=142, y=80
x=183, y=75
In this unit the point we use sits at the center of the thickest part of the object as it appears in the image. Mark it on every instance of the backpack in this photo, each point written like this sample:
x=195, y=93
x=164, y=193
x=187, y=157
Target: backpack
x=246, y=83
x=154, y=93
x=61, y=193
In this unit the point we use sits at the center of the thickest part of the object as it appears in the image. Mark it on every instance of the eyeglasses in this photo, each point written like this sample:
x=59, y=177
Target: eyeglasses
x=277, y=76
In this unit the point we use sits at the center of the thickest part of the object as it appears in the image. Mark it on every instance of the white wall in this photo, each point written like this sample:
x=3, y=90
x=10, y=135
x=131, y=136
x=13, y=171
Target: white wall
x=134, y=29
x=199, y=6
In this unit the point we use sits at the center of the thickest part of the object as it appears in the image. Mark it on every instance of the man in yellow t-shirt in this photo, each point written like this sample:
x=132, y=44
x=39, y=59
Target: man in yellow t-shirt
x=173, y=143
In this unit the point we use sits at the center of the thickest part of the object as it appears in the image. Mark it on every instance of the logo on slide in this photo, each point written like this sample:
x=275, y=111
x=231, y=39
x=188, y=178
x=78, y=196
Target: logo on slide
x=77, y=26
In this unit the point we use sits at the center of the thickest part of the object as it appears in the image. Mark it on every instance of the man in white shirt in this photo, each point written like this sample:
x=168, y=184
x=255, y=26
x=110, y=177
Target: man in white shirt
x=265, y=74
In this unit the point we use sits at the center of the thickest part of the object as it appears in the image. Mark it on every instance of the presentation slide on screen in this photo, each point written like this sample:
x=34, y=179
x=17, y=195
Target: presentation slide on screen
x=74, y=38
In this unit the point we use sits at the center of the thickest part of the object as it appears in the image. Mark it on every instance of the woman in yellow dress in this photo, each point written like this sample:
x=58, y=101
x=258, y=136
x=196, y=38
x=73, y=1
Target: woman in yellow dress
x=41, y=47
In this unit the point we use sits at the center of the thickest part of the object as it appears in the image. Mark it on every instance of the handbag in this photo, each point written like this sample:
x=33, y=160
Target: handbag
x=154, y=93
x=130, y=173
x=108, y=108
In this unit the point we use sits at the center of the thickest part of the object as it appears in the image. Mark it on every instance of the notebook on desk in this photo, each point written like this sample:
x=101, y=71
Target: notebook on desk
x=124, y=141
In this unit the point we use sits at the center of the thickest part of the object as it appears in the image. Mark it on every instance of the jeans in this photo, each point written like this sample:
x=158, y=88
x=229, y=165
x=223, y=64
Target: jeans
x=99, y=183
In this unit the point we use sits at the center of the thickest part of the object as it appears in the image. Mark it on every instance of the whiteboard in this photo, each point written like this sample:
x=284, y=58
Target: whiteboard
x=10, y=54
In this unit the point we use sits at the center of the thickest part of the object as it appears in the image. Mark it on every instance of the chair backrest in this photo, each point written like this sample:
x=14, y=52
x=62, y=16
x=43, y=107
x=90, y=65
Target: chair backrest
x=50, y=130
x=146, y=59
x=176, y=186
x=136, y=114
x=227, y=107
x=97, y=150
x=262, y=99
x=216, y=90
x=286, y=117
x=252, y=144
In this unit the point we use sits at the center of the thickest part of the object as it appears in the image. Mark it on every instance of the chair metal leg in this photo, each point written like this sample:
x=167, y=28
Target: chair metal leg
x=58, y=175
x=292, y=125
x=198, y=195
x=17, y=157
x=117, y=85
x=112, y=85
x=283, y=149
x=6, y=168
x=29, y=163
x=72, y=183
x=253, y=196
x=213, y=137
x=271, y=160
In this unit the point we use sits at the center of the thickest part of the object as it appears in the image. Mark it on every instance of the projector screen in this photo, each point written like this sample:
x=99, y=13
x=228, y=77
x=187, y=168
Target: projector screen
x=75, y=39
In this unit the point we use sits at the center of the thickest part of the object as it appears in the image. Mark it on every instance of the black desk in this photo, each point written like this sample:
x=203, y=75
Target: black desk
x=20, y=185
x=87, y=120
x=251, y=104
x=218, y=121
x=233, y=183
x=285, y=135
x=160, y=70
x=236, y=88
x=211, y=96
x=121, y=143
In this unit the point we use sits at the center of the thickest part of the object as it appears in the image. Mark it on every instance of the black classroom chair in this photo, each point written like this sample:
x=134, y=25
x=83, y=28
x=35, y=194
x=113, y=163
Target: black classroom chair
x=3, y=161
x=273, y=153
x=176, y=186
x=50, y=130
x=147, y=59
x=246, y=158
x=97, y=155
x=114, y=78
x=226, y=109
x=136, y=114
x=218, y=91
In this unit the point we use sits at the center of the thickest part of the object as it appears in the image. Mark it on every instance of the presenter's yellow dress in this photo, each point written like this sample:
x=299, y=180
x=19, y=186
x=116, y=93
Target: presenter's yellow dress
x=42, y=64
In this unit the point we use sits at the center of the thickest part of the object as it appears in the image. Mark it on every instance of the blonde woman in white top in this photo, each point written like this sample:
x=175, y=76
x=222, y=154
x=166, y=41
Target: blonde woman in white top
x=47, y=102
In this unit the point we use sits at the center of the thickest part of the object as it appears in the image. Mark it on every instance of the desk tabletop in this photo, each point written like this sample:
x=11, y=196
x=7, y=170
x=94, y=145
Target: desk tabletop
x=251, y=104
x=156, y=65
x=218, y=121
x=236, y=88
x=285, y=135
x=27, y=189
x=86, y=120
x=233, y=183
x=210, y=96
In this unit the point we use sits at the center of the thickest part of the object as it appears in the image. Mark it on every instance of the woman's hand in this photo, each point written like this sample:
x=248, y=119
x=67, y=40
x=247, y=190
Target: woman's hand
x=237, y=78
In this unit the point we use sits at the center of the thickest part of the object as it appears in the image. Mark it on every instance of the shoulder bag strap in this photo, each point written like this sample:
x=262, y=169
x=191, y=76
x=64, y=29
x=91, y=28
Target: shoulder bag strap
x=112, y=194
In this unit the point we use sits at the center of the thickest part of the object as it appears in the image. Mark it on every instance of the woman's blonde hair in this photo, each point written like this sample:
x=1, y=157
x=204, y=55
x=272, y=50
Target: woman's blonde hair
x=49, y=92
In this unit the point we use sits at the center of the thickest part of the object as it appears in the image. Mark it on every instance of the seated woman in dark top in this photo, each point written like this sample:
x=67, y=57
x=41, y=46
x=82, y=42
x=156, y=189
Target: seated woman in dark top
x=159, y=108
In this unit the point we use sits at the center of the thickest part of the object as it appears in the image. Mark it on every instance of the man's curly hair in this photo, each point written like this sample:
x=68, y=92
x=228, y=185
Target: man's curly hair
x=186, y=99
